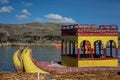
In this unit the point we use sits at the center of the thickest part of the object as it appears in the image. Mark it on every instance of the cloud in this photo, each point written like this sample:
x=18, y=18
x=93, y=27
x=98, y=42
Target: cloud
x=25, y=12
x=6, y=9
x=56, y=18
x=27, y=4
x=4, y=1
x=38, y=19
x=21, y=17
x=25, y=15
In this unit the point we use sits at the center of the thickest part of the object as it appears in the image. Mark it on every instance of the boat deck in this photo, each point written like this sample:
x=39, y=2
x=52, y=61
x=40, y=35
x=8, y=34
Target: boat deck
x=57, y=68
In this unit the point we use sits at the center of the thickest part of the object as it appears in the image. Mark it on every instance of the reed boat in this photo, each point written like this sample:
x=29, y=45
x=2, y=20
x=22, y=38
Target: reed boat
x=31, y=65
x=83, y=48
x=23, y=62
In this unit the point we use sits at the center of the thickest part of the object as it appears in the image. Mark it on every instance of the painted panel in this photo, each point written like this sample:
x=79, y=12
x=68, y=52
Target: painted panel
x=96, y=63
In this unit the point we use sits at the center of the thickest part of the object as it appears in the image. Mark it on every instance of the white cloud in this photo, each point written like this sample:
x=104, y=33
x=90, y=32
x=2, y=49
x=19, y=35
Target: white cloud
x=4, y=1
x=27, y=4
x=56, y=18
x=38, y=19
x=6, y=9
x=25, y=12
x=21, y=17
x=25, y=15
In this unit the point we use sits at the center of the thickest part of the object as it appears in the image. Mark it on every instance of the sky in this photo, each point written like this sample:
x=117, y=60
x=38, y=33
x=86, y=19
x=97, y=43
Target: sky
x=60, y=11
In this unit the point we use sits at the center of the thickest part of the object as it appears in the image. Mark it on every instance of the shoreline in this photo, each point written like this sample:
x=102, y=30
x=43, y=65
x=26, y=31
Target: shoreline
x=32, y=44
x=27, y=44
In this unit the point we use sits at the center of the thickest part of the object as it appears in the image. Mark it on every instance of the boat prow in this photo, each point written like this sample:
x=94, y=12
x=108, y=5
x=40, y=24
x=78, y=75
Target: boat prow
x=29, y=65
x=16, y=61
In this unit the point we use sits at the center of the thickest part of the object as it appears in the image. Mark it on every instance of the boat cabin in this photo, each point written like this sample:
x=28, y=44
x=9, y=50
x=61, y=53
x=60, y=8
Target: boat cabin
x=89, y=45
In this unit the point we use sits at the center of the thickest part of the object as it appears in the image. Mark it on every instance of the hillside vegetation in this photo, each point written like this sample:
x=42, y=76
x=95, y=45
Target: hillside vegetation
x=30, y=33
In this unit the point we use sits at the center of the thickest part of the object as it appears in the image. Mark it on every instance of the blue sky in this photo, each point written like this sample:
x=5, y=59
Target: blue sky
x=60, y=11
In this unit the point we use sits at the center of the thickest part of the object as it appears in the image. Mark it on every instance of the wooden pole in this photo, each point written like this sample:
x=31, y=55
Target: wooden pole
x=110, y=48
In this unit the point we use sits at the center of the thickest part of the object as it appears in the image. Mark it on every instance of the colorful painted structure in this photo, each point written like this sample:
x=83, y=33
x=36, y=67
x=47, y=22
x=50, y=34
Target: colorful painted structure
x=89, y=45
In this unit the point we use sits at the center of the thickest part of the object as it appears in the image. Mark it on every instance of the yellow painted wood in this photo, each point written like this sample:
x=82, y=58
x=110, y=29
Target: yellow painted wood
x=67, y=61
x=96, y=63
x=92, y=39
x=72, y=62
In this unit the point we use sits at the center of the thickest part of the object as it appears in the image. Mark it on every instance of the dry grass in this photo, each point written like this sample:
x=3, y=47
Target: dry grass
x=88, y=75
x=94, y=75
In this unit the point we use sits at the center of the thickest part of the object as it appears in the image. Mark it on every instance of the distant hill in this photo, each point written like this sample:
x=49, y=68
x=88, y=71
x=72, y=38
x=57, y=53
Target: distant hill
x=30, y=32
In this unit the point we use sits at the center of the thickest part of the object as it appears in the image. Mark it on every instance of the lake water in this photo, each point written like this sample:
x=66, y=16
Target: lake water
x=40, y=53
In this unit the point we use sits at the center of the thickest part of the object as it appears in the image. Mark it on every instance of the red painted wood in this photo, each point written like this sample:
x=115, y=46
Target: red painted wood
x=78, y=53
x=110, y=48
x=104, y=52
x=90, y=30
x=65, y=48
x=62, y=48
x=116, y=52
x=92, y=52
x=97, y=58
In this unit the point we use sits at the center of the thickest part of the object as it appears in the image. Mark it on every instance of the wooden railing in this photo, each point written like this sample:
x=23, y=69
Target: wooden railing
x=90, y=30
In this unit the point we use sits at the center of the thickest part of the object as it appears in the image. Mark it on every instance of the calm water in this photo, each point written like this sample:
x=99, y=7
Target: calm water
x=40, y=53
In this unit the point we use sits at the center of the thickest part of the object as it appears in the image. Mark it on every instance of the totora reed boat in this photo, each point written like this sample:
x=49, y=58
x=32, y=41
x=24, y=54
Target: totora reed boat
x=27, y=63
x=84, y=47
x=23, y=62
